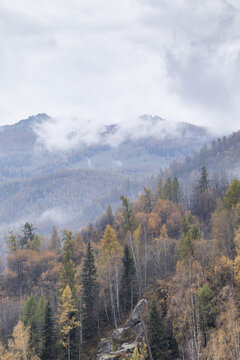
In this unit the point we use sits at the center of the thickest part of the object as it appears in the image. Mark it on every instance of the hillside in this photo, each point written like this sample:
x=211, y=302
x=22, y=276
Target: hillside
x=223, y=155
x=43, y=182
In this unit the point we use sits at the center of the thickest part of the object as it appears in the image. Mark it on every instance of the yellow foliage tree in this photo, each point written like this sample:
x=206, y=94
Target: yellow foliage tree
x=19, y=345
x=67, y=318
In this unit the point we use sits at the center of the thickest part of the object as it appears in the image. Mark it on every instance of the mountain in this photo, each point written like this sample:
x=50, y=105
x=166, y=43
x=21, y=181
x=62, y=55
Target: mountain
x=45, y=185
x=222, y=155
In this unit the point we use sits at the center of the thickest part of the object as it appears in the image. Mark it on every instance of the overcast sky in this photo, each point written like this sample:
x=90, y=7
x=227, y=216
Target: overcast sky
x=112, y=60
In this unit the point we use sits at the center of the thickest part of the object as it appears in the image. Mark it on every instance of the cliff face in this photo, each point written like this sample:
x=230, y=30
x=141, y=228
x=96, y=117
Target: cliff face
x=123, y=340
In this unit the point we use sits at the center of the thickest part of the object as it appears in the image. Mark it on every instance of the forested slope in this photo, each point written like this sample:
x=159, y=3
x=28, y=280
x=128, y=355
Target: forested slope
x=60, y=295
x=223, y=155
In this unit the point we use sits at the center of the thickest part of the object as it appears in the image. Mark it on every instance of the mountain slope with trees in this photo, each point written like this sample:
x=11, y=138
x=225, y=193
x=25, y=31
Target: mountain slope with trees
x=68, y=291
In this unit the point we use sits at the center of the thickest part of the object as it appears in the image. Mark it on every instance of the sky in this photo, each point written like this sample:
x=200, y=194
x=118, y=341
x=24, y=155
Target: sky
x=112, y=60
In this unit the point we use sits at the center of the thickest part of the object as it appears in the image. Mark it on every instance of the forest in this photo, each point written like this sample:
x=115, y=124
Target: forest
x=60, y=296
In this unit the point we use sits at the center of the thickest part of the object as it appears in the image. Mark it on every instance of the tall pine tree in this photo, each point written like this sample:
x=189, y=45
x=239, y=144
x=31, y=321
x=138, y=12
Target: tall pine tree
x=49, y=349
x=89, y=294
x=128, y=281
x=156, y=334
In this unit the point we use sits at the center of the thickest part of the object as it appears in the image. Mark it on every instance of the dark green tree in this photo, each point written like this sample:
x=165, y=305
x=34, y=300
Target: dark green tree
x=90, y=290
x=128, y=281
x=203, y=182
x=33, y=316
x=207, y=310
x=190, y=233
x=175, y=191
x=28, y=235
x=156, y=334
x=130, y=222
x=148, y=200
x=232, y=196
x=68, y=268
x=203, y=199
x=49, y=342
x=167, y=189
x=12, y=243
x=159, y=188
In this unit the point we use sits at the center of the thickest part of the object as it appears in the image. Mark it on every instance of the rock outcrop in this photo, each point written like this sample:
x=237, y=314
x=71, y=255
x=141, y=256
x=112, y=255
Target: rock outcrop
x=123, y=340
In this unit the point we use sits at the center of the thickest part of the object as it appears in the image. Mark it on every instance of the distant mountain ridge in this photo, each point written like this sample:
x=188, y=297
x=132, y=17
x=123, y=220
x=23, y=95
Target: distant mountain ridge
x=40, y=185
x=221, y=155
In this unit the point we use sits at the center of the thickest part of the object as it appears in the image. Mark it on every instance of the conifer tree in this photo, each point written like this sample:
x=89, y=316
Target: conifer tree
x=33, y=317
x=156, y=332
x=68, y=269
x=11, y=240
x=207, y=310
x=148, y=200
x=39, y=323
x=232, y=196
x=167, y=189
x=128, y=281
x=89, y=293
x=175, y=192
x=55, y=242
x=130, y=222
x=28, y=235
x=160, y=188
x=67, y=319
x=48, y=351
x=203, y=182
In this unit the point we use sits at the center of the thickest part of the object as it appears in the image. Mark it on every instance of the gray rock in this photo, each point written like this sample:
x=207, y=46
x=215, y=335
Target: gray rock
x=128, y=348
x=135, y=315
x=117, y=334
x=125, y=339
x=139, y=331
x=105, y=347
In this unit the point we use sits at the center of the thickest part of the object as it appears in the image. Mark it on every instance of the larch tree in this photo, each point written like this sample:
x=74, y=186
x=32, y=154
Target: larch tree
x=110, y=254
x=19, y=345
x=67, y=319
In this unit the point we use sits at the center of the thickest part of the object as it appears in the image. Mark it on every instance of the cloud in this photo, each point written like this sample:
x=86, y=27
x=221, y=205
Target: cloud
x=111, y=61
x=69, y=133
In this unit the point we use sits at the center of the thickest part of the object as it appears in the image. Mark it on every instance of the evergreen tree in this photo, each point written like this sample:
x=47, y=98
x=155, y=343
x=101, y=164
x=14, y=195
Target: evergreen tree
x=11, y=240
x=175, y=192
x=109, y=216
x=156, y=332
x=167, y=189
x=203, y=182
x=39, y=323
x=68, y=269
x=207, y=310
x=35, y=244
x=130, y=222
x=148, y=200
x=128, y=281
x=89, y=294
x=33, y=317
x=159, y=188
x=48, y=351
x=232, y=196
x=55, y=242
x=28, y=235
x=191, y=233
